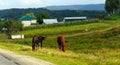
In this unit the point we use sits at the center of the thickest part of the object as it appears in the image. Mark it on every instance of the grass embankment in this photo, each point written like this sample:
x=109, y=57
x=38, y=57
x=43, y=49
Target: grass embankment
x=96, y=48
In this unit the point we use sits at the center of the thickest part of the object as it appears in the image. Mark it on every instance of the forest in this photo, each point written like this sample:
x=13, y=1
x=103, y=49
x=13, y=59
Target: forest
x=59, y=14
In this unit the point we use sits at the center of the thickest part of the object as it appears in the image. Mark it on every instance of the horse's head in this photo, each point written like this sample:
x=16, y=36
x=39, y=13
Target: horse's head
x=66, y=41
x=43, y=37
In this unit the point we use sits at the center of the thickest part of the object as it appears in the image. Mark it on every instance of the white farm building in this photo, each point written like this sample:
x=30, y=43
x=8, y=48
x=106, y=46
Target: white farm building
x=28, y=21
x=50, y=21
x=74, y=18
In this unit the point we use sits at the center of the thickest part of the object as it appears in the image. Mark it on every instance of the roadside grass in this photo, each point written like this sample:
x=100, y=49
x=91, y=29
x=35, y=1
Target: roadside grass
x=81, y=50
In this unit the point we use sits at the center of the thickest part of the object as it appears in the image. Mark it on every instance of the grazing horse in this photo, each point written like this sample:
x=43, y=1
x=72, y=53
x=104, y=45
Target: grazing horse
x=61, y=43
x=36, y=41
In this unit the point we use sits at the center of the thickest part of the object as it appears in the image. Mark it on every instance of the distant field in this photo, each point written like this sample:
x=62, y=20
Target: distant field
x=100, y=45
x=64, y=30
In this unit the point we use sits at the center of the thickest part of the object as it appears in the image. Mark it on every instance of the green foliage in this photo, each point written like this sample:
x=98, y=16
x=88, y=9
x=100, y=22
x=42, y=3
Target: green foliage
x=0, y=19
x=31, y=15
x=41, y=16
x=112, y=6
x=1, y=26
x=12, y=25
x=59, y=14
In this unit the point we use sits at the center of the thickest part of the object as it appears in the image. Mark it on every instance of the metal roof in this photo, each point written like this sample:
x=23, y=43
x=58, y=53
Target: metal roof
x=50, y=21
x=25, y=18
x=75, y=18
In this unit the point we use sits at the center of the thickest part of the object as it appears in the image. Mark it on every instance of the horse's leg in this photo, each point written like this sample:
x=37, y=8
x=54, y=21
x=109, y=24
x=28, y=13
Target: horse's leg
x=59, y=45
x=36, y=46
x=41, y=44
x=33, y=46
x=63, y=47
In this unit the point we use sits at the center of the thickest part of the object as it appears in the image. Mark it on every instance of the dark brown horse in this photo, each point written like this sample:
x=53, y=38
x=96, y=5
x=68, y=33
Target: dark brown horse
x=36, y=41
x=61, y=43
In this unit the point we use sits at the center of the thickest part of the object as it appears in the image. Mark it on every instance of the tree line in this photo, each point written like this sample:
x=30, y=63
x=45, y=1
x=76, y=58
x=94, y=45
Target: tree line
x=59, y=14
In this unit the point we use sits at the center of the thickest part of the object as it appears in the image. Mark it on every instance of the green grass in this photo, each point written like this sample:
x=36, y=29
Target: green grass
x=100, y=47
x=114, y=17
x=64, y=30
x=71, y=23
x=81, y=50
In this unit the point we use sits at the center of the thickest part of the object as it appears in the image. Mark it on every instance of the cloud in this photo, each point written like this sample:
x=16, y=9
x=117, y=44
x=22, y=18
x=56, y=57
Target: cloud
x=20, y=4
x=5, y=4
x=30, y=2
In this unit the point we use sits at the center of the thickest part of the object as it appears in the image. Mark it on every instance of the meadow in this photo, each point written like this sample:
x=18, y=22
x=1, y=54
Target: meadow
x=100, y=45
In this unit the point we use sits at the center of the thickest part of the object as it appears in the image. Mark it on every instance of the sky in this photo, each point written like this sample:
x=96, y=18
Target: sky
x=7, y=4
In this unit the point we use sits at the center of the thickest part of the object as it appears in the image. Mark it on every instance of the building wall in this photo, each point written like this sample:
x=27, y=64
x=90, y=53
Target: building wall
x=33, y=21
x=26, y=23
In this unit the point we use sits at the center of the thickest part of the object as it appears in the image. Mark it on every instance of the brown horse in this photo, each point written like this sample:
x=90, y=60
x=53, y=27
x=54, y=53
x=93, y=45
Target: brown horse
x=61, y=43
x=36, y=41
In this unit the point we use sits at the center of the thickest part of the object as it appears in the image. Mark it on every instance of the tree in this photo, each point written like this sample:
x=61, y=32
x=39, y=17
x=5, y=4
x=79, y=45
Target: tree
x=112, y=6
x=31, y=15
x=41, y=16
x=0, y=19
x=12, y=25
x=1, y=26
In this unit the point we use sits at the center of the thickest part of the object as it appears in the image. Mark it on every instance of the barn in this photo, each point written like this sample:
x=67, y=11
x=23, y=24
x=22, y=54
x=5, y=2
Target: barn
x=73, y=18
x=28, y=21
x=50, y=21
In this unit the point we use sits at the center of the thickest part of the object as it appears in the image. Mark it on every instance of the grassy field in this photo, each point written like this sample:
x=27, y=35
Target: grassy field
x=64, y=29
x=100, y=45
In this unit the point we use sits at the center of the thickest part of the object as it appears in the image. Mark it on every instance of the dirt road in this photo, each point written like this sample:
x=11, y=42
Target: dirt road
x=10, y=58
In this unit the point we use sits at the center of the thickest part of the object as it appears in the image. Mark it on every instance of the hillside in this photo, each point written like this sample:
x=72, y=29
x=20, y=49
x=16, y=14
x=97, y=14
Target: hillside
x=60, y=14
x=18, y=13
x=90, y=10
x=78, y=7
x=100, y=45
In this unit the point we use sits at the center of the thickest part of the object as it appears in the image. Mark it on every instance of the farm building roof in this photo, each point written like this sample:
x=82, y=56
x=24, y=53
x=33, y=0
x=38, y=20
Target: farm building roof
x=25, y=18
x=75, y=18
x=50, y=21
